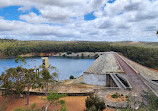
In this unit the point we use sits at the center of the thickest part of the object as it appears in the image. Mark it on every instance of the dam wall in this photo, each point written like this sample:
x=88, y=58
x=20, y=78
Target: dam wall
x=95, y=79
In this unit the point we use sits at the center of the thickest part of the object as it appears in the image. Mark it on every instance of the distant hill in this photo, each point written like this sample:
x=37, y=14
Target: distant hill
x=139, y=44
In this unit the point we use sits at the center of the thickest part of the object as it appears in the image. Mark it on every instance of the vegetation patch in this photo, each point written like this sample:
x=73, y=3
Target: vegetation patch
x=116, y=97
x=72, y=77
x=94, y=103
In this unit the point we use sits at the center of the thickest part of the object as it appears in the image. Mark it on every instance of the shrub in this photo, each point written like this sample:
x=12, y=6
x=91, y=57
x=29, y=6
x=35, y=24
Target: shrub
x=33, y=105
x=54, y=96
x=62, y=102
x=63, y=108
x=93, y=102
x=72, y=77
x=114, y=96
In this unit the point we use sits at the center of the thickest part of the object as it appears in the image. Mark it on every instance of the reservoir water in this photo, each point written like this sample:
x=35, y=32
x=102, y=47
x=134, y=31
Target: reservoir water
x=65, y=66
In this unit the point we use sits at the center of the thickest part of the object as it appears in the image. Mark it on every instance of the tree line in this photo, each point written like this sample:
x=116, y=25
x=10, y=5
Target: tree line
x=143, y=55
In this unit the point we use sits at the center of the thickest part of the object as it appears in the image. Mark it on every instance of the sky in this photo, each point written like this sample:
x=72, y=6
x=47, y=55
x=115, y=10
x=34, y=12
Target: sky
x=79, y=20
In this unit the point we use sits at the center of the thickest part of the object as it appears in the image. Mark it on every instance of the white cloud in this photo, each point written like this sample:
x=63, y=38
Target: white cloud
x=33, y=18
x=64, y=20
x=57, y=13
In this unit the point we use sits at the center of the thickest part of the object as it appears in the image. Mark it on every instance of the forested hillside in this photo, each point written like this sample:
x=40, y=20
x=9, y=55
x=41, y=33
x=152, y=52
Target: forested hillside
x=143, y=54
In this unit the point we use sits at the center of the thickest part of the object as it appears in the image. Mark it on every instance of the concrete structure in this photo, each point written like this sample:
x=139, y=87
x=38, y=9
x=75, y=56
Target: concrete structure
x=105, y=64
x=102, y=71
x=45, y=62
x=95, y=79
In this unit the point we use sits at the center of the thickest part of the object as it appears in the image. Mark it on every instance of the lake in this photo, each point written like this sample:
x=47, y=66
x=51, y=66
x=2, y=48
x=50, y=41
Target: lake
x=65, y=66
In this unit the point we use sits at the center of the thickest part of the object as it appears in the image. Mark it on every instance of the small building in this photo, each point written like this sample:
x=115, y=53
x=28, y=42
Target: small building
x=45, y=62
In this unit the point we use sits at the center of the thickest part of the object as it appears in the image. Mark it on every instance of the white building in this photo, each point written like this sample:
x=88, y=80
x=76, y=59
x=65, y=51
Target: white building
x=98, y=72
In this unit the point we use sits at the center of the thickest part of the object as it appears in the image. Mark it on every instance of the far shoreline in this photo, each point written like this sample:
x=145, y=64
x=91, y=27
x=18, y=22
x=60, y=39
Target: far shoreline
x=87, y=55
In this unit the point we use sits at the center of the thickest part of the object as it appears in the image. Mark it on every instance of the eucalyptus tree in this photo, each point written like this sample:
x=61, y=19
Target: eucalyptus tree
x=32, y=81
x=19, y=80
x=49, y=82
x=49, y=79
x=12, y=81
x=16, y=80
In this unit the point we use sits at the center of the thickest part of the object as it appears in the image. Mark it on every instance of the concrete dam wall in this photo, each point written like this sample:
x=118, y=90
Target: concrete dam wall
x=95, y=79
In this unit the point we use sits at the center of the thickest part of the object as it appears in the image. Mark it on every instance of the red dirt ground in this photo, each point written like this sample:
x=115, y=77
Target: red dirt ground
x=73, y=103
